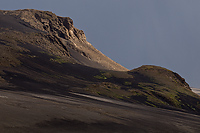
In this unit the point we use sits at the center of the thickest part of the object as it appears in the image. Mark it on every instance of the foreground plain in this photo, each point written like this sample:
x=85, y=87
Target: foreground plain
x=78, y=113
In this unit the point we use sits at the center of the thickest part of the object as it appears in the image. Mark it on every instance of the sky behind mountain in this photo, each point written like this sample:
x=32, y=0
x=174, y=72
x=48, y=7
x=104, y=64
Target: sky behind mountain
x=135, y=32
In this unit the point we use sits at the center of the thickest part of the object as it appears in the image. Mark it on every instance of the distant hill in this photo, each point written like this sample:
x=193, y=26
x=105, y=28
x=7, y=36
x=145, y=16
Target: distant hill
x=44, y=53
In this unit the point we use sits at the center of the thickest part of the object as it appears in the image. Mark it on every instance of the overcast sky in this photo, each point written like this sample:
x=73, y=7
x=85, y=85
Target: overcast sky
x=135, y=32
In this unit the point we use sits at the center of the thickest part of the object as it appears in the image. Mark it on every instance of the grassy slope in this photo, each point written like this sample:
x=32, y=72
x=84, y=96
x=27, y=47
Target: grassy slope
x=149, y=85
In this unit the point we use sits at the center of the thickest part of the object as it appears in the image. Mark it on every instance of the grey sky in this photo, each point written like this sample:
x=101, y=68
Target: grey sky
x=135, y=32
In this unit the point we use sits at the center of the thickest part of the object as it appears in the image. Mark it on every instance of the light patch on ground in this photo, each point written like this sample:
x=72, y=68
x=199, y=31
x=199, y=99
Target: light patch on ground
x=3, y=97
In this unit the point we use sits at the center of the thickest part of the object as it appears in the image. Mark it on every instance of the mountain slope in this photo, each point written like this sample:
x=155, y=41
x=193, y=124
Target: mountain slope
x=44, y=53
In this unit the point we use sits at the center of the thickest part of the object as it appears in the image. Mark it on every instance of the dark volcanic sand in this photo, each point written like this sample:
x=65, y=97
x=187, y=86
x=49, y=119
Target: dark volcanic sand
x=27, y=112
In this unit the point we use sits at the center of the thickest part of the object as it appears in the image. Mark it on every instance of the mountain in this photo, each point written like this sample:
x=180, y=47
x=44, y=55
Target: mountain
x=44, y=57
x=54, y=35
x=40, y=49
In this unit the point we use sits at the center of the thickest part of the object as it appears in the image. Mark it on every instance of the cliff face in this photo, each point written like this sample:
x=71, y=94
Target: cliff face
x=58, y=36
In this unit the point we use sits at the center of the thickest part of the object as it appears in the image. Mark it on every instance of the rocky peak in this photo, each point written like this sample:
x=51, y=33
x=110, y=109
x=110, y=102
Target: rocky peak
x=61, y=31
x=49, y=22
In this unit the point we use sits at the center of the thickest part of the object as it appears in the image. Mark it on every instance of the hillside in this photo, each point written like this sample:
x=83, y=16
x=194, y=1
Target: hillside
x=44, y=57
x=45, y=49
